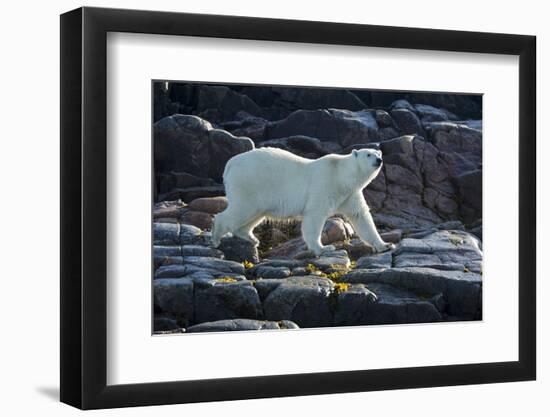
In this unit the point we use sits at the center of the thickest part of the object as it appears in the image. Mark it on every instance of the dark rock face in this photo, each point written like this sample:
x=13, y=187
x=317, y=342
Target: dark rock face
x=190, y=144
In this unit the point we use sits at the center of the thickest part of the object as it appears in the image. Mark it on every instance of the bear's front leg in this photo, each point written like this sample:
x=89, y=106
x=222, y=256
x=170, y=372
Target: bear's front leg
x=312, y=227
x=357, y=212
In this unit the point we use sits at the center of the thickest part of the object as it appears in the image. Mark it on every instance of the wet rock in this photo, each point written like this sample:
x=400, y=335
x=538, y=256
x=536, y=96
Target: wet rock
x=211, y=205
x=190, y=144
x=462, y=290
x=241, y=324
x=174, y=297
x=239, y=250
x=219, y=300
x=379, y=260
x=302, y=300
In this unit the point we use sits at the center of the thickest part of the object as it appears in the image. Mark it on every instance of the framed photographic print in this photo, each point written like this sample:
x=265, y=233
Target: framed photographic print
x=257, y=208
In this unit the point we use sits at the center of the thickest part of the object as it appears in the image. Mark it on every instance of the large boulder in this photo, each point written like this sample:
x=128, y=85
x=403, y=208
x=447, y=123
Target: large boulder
x=302, y=300
x=190, y=144
x=461, y=290
x=333, y=125
x=226, y=299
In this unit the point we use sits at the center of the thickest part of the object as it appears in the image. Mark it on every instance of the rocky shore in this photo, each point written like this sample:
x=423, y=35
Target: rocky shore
x=426, y=200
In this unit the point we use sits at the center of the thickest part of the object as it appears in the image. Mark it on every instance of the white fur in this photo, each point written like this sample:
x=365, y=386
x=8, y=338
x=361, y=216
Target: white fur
x=274, y=183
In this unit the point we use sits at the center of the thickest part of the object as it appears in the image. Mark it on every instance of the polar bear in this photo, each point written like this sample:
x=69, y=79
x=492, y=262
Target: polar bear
x=273, y=183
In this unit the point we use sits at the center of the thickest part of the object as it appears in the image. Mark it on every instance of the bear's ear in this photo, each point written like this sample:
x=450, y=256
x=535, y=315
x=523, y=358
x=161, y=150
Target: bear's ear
x=354, y=153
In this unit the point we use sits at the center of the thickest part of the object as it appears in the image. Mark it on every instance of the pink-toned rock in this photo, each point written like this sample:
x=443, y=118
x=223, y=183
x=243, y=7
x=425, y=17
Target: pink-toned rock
x=212, y=205
x=393, y=236
x=335, y=230
x=167, y=211
x=198, y=219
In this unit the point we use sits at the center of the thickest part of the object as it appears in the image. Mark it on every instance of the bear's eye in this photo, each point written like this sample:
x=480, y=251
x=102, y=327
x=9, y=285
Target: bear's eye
x=368, y=155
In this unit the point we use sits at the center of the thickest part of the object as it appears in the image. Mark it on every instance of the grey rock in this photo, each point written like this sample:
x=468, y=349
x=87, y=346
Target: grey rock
x=446, y=249
x=379, y=260
x=272, y=271
x=462, y=290
x=239, y=250
x=302, y=300
x=241, y=324
x=174, y=233
x=328, y=259
x=174, y=297
x=222, y=265
x=391, y=306
x=186, y=269
x=186, y=250
x=219, y=300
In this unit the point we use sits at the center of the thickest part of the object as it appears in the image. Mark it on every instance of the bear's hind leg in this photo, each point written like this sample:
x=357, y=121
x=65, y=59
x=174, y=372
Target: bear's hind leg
x=246, y=232
x=312, y=227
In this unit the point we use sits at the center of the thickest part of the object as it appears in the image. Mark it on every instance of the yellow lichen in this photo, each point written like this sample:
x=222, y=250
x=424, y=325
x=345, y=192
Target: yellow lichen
x=335, y=276
x=248, y=264
x=311, y=268
x=225, y=279
x=341, y=287
x=466, y=269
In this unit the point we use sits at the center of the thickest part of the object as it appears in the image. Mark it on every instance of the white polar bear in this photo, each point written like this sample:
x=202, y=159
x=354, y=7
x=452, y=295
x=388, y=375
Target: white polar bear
x=274, y=183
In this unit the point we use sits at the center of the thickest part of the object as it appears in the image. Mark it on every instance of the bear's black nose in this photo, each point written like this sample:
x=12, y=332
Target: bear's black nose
x=378, y=162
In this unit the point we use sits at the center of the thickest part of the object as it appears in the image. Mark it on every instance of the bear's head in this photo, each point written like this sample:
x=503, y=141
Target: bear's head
x=369, y=162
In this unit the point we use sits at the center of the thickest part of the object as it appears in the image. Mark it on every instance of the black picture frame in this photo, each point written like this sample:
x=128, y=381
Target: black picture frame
x=84, y=207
